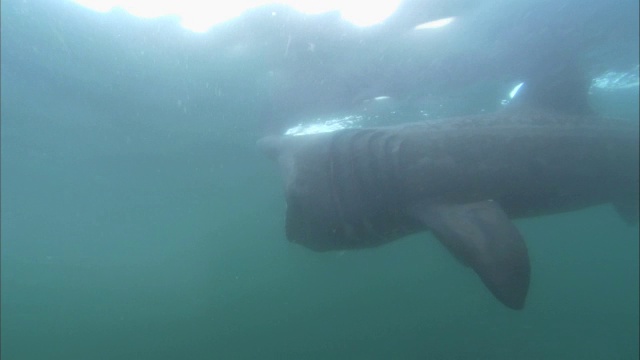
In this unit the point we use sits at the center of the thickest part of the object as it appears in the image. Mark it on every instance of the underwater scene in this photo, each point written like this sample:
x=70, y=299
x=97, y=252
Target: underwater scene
x=441, y=179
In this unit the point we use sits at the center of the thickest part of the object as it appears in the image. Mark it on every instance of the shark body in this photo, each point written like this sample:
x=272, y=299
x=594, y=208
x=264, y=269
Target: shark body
x=461, y=178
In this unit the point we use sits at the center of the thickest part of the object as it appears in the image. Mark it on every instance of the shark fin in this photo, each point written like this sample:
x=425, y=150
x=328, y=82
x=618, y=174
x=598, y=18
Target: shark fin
x=627, y=208
x=482, y=237
x=563, y=87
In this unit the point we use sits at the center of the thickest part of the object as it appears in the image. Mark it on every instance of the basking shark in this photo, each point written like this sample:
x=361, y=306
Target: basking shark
x=462, y=178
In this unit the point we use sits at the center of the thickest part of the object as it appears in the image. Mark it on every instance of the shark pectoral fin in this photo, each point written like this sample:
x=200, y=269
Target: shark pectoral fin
x=482, y=237
x=627, y=208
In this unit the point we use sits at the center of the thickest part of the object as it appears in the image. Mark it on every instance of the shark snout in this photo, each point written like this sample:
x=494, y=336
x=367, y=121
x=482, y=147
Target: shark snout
x=270, y=146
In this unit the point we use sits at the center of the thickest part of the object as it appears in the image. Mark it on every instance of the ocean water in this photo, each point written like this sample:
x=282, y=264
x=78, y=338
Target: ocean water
x=140, y=221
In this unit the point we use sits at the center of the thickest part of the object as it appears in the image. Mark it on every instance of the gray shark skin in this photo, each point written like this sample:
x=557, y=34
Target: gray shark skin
x=461, y=178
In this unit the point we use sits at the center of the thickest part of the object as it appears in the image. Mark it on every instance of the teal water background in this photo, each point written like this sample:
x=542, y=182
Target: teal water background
x=139, y=221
